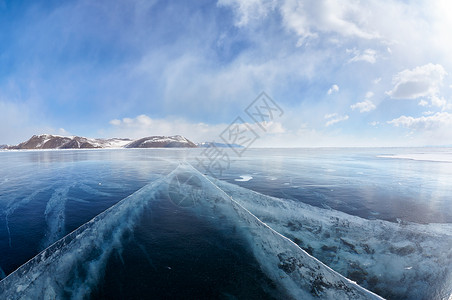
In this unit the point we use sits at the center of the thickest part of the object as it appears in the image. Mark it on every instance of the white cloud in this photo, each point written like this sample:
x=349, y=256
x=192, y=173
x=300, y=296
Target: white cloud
x=329, y=116
x=335, y=118
x=143, y=125
x=423, y=103
x=364, y=106
x=438, y=121
x=270, y=128
x=63, y=132
x=368, y=55
x=438, y=101
x=333, y=88
x=369, y=94
x=308, y=18
x=422, y=81
x=115, y=122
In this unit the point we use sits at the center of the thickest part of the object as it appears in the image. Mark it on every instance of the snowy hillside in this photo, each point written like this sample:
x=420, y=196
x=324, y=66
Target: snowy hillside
x=48, y=141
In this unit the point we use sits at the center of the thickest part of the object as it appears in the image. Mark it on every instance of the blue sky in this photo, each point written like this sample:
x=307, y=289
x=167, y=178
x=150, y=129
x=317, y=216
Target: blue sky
x=346, y=73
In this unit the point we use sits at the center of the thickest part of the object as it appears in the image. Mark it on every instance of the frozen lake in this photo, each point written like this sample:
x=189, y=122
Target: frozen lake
x=381, y=217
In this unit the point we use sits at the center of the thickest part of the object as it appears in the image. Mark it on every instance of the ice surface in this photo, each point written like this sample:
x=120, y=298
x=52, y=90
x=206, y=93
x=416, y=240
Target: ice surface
x=73, y=266
x=12, y=206
x=54, y=214
x=2, y=274
x=89, y=190
x=398, y=261
x=296, y=272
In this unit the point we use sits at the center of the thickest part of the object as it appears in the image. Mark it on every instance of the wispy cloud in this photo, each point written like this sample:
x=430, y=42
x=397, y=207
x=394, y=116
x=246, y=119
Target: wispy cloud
x=440, y=120
x=143, y=125
x=335, y=118
x=19, y=121
x=365, y=106
x=368, y=55
x=333, y=89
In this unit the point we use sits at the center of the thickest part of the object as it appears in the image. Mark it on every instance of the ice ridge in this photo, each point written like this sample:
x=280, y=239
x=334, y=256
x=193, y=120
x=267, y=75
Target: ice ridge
x=398, y=261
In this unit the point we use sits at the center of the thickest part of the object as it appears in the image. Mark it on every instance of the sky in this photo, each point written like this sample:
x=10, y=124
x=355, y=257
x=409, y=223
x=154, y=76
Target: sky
x=345, y=73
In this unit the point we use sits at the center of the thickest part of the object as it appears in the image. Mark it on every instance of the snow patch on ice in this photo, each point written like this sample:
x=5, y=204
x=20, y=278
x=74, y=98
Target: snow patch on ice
x=55, y=216
x=90, y=190
x=433, y=157
x=244, y=178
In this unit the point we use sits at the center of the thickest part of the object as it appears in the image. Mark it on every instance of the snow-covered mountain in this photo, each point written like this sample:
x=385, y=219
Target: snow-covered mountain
x=175, y=141
x=48, y=141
